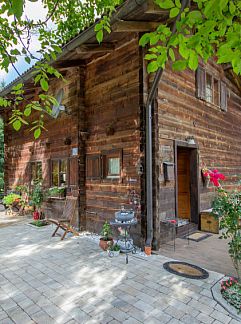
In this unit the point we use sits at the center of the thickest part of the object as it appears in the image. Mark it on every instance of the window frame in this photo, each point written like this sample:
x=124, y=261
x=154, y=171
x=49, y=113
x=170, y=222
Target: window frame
x=59, y=172
x=103, y=159
x=105, y=156
x=201, y=89
x=35, y=163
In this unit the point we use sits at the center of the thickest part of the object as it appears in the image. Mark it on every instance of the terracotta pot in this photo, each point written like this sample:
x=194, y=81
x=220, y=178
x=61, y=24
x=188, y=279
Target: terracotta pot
x=148, y=250
x=104, y=245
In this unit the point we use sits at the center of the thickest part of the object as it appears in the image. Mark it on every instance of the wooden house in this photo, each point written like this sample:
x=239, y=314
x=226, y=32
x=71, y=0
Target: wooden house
x=105, y=148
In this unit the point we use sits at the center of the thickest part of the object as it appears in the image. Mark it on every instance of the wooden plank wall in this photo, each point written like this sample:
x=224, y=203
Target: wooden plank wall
x=22, y=149
x=218, y=134
x=112, y=99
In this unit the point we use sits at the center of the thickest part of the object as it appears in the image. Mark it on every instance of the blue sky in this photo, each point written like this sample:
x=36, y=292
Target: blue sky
x=33, y=10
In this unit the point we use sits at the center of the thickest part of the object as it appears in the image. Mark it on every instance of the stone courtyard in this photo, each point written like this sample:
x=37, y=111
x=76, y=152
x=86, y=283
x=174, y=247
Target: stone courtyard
x=45, y=280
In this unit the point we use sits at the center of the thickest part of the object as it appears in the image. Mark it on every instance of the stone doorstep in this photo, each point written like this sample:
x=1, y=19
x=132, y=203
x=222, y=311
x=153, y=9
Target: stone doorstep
x=217, y=296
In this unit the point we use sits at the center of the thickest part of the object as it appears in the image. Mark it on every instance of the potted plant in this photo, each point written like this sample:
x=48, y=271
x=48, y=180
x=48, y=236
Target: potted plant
x=113, y=250
x=59, y=192
x=10, y=201
x=106, y=240
x=37, y=198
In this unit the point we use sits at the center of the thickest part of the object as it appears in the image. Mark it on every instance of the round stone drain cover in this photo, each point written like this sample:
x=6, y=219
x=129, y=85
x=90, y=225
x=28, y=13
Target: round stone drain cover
x=184, y=269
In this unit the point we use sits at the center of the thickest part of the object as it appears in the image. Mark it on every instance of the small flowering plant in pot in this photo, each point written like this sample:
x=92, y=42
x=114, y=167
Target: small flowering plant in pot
x=231, y=292
x=106, y=240
x=113, y=250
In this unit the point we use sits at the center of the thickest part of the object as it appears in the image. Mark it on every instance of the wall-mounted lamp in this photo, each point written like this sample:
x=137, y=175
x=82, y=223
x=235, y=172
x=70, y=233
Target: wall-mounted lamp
x=190, y=140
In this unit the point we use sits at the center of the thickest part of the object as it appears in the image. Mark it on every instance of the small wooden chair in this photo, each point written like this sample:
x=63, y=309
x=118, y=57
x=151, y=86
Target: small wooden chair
x=66, y=222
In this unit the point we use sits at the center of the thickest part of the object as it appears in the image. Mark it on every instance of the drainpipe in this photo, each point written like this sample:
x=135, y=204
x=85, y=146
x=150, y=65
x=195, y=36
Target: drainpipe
x=149, y=155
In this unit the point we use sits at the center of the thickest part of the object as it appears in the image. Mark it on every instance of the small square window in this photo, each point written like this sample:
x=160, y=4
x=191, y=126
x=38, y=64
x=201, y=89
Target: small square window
x=113, y=167
x=112, y=164
x=209, y=88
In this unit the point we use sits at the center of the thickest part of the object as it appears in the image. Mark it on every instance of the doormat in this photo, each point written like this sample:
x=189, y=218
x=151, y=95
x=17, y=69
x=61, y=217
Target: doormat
x=198, y=236
x=186, y=270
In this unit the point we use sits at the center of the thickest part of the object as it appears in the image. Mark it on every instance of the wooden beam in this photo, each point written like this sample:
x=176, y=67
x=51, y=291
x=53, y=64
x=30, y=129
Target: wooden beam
x=134, y=26
x=95, y=48
x=152, y=8
x=69, y=63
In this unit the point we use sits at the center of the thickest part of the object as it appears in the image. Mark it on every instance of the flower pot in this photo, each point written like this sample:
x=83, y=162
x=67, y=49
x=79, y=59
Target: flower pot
x=113, y=253
x=104, y=245
x=148, y=250
x=36, y=215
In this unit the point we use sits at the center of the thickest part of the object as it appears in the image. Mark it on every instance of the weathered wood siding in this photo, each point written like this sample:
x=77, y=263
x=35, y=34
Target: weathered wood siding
x=112, y=99
x=217, y=133
x=21, y=149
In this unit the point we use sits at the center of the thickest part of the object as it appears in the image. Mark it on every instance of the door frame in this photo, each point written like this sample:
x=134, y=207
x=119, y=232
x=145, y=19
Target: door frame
x=194, y=179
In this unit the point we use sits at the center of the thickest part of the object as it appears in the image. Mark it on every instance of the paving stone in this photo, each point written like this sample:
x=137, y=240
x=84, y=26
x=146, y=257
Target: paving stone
x=220, y=317
x=201, y=307
x=117, y=314
x=143, y=306
x=42, y=317
x=59, y=283
x=131, y=320
x=3, y=315
x=188, y=319
x=174, y=312
x=205, y=318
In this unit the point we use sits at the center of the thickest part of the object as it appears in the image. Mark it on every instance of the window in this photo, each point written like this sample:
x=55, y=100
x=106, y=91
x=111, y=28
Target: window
x=211, y=89
x=36, y=171
x=59, y=173
x=106, y=165
x=112, y=162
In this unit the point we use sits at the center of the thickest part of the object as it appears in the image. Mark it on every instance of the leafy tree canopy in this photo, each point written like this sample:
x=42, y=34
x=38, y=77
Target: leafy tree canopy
x=204, y=29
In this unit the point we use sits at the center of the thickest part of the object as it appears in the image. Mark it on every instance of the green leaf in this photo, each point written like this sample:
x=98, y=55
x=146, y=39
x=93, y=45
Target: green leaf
x=99, y=36
x=179, y=65
x=165, y=4
x=183, y=50
x=193, y=61
x=178, y=4
x=44, y=84
x=37, y=133
x=174, y=12
x=27, y=111
x=171, y=54
x=17, y=125
x=144, y=40
x=232, y=8
x=27, y=59
x=150, y=57
x=152, y=67
x=17, y=7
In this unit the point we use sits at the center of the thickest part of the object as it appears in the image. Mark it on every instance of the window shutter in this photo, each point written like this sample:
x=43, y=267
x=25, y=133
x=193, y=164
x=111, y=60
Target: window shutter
x=223, y=96
x=93, y=167
x=200, y=83
x=73, y=172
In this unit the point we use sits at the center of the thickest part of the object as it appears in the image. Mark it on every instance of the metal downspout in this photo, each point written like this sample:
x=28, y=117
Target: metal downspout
x=149, y=155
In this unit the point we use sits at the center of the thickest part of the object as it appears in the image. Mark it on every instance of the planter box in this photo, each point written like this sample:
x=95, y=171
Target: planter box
x=209, y=223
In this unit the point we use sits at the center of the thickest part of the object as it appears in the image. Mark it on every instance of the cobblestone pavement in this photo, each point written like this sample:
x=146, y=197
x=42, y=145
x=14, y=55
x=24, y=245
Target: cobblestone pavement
x=45, y=280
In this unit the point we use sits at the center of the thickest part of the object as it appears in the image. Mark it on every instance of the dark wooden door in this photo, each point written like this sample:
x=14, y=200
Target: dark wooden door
x=183, y=176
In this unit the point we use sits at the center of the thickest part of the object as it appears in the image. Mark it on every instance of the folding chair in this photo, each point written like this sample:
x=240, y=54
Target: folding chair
x=66, y=222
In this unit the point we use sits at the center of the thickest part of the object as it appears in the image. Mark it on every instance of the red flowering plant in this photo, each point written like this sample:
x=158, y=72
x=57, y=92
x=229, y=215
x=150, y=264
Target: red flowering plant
x=231, y=292
x=214, y=176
